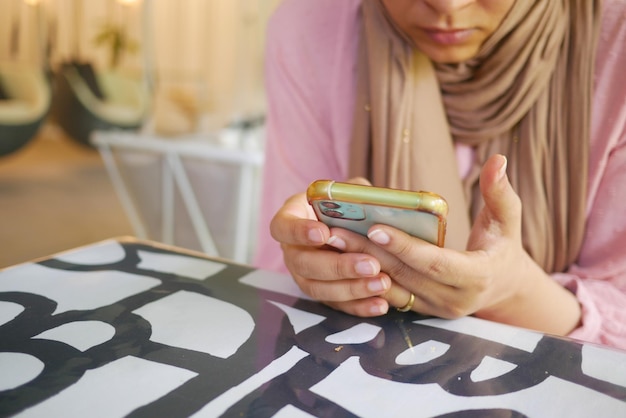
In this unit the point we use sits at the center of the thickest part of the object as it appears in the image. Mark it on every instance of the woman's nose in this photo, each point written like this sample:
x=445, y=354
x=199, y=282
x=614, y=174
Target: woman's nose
x=448, y=6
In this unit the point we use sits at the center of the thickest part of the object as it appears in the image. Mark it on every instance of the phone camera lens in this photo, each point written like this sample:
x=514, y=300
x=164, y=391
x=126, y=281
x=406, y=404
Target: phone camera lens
x=333, y=213
x=330, y=205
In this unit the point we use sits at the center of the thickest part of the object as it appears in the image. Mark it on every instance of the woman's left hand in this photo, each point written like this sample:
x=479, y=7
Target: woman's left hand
x=494, y=278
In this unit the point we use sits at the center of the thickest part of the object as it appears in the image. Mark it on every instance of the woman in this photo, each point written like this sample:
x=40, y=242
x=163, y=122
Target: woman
x=515, y=111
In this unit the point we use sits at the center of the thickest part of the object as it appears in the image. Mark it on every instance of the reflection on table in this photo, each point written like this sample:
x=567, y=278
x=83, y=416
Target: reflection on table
x=135, y=328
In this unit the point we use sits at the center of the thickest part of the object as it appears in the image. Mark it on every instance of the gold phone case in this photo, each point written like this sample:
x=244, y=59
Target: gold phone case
x=358, y=207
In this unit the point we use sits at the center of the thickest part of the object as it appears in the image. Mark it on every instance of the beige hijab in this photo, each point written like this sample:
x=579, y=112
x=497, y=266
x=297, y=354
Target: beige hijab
x=526, y=95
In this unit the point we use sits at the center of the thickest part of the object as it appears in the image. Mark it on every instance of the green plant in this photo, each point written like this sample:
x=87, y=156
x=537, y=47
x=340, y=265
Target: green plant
x=115, y=37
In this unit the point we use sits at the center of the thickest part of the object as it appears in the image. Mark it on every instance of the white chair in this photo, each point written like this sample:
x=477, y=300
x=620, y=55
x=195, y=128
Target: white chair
x=23, y=111
x=193, y=192
x=86, y=101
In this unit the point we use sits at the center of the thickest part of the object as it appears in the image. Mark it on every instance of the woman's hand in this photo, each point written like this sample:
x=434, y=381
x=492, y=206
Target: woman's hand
x=494, y=278
x=348, y=281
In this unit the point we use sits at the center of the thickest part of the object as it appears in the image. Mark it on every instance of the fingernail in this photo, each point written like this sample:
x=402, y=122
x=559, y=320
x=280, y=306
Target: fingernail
x=502, y=170
x=336, y=242
x=377, y=285
x=316, y=236
x=365, y=268
x=379, y=309
x=379, y=236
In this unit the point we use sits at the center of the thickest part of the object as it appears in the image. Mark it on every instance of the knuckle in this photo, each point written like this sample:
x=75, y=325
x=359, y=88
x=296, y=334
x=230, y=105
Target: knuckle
x=400, y=270
x=455, y=281
x=403, y=250
x=352, y=292
x=438, y=266
x=338, y=267
x=274, y=229
x=279, y=228
x=455, y=311
x=482, y=285
x=314, y=290
x=294, y=259
x=452, y=313
x=305, y=285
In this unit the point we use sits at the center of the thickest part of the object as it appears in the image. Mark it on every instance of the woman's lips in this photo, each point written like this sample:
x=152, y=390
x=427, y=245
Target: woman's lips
x=449, y=36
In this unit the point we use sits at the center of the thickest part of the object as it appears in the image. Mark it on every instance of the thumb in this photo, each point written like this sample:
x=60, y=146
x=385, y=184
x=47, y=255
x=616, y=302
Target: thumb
x=359, y=180
x=502, y=212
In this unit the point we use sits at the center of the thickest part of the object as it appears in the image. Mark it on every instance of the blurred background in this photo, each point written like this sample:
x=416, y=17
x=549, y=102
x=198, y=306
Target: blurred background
x=130, y=117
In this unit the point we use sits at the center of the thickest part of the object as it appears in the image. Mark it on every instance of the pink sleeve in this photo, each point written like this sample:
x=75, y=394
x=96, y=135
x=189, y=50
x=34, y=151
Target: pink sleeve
x=599, y=277
x=310, y=93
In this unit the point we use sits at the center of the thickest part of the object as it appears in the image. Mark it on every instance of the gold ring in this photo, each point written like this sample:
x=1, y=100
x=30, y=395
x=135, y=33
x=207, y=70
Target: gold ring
x=409, y=305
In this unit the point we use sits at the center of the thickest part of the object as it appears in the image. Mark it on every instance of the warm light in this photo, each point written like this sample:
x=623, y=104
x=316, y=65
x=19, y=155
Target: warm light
x=127, y=2
x=32, y=2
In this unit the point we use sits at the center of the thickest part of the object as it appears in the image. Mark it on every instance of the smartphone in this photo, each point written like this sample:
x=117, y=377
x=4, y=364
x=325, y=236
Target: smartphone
x=358, y=207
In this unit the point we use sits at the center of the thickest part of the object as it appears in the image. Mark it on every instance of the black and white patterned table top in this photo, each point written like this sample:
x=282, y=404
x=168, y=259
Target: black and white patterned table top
x=135, y=328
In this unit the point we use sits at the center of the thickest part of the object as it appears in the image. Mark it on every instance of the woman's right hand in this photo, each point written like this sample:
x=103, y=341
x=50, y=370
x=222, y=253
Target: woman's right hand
x=350, y=282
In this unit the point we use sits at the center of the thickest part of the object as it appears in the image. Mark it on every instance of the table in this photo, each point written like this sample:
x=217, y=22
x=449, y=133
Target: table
x=129, y=327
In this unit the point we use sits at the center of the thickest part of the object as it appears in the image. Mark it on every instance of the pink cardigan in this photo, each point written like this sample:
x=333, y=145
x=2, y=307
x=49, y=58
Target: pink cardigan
x=310, y=68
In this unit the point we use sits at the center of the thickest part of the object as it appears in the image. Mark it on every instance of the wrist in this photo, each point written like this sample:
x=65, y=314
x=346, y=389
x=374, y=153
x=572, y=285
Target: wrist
x=540, y=304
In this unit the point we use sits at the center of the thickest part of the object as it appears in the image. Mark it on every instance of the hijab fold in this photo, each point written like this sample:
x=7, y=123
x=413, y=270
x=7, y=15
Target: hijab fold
x=527, y=94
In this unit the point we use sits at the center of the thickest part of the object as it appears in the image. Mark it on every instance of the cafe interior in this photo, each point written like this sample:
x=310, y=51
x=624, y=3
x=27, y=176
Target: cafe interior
x=83, y=82
x=131, y=150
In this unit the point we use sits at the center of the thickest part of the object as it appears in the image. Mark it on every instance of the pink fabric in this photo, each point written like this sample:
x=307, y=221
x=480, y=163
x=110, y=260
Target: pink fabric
x=310, y=79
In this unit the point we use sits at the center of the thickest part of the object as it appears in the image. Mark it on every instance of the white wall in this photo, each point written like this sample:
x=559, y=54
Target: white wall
x=213, y=48
x=22, y=27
